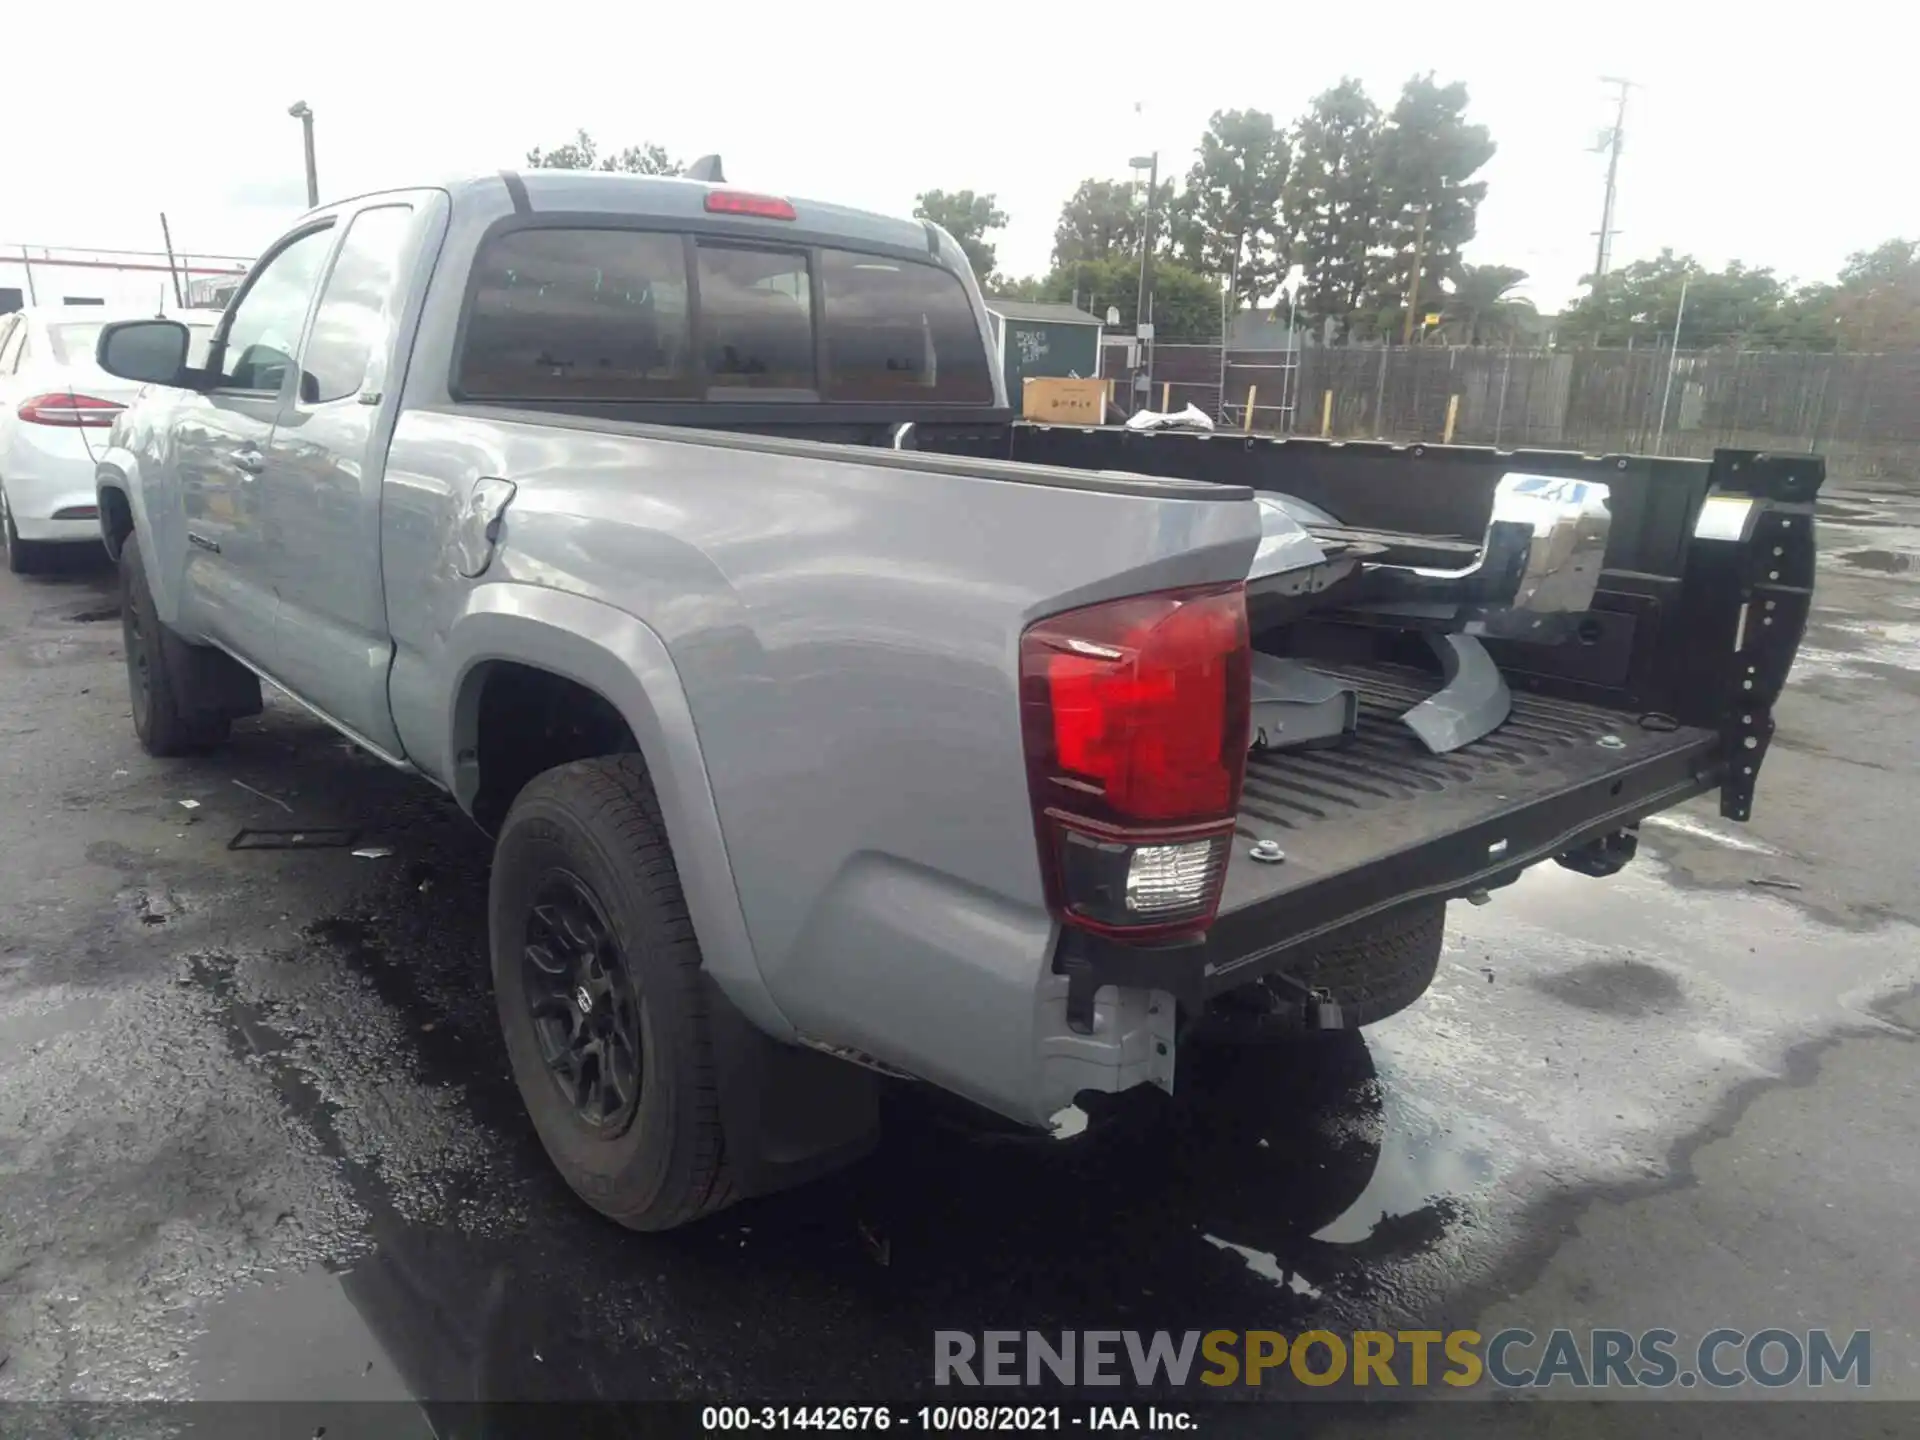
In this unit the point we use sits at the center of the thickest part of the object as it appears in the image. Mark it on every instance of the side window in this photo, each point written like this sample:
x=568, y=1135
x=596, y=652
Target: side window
x=756, y=318
x=13, y=331
x=347, y=324
x=265, y=327
x=578, y=315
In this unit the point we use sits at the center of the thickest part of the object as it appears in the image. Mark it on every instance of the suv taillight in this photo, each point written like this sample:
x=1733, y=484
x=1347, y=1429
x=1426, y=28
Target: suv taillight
x=69, y=411
x=1135, y=715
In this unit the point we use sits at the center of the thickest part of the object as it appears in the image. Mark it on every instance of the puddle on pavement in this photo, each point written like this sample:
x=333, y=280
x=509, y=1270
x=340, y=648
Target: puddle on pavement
x=1854, y=647
x=1886, y=562
x=1272, y=1188
x=1843, y=513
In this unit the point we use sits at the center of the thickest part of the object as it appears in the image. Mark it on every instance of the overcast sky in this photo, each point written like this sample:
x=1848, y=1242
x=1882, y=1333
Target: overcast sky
x=1775, y=137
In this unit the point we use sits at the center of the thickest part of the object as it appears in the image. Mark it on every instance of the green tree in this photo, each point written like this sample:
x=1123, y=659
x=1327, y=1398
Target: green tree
x=1482, y=309
x=1006, y=287
x=968, y=218
x=1806, y=319
x=1640, y=304
x=1186, y=304
x=1427, y=158
x=1104, y=219
x=581, y=153
x=1332, y=200
x=1876, y=305
x=1235, y=187
x=1100, y=220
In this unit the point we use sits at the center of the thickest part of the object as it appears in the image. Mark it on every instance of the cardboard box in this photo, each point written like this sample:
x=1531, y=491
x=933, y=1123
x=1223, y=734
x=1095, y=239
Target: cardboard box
x=1058, y=400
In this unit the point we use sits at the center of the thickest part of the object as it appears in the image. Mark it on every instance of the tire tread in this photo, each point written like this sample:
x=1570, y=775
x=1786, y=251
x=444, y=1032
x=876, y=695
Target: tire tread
x=615, y=797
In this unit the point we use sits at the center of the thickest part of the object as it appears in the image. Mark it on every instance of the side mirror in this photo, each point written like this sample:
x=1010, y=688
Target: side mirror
x=152, y=352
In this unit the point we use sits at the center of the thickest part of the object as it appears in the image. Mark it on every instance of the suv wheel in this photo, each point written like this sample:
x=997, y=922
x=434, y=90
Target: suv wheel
x=23, y=556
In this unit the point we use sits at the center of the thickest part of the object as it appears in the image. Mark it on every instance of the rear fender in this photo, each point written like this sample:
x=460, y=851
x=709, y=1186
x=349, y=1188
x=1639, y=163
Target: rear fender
x=624, y=661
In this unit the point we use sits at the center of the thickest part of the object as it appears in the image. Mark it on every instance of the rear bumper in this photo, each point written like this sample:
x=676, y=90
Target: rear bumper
x=48, y=470
x=41, y=532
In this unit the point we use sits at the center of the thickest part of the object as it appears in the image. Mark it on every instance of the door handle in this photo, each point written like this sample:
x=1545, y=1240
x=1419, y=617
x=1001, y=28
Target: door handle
x=249, y=462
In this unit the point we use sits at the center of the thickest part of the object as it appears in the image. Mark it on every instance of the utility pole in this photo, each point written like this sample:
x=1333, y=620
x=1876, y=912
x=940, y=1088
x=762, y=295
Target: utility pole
x=1413, y=282
x=173, y=273
x=1610, y=142
x=1143, y=372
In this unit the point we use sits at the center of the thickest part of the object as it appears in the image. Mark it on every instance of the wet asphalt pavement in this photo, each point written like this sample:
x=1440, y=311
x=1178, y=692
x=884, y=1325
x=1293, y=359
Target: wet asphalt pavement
x=257, y=1138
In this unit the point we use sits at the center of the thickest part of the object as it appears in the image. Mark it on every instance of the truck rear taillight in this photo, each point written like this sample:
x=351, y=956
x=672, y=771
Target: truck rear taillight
x=1135, y=716
x=69, y=411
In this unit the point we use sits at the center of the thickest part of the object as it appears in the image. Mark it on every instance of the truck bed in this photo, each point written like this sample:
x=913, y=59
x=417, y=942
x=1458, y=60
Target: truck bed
x=1382, y=801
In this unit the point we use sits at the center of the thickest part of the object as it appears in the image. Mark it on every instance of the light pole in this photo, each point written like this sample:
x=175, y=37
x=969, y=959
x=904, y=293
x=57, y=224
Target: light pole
x=302, y=112
x=1143, y=371
x=1673, y=360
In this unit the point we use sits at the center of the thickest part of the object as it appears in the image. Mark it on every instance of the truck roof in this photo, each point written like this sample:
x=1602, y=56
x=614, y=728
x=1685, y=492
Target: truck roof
x=668, y=197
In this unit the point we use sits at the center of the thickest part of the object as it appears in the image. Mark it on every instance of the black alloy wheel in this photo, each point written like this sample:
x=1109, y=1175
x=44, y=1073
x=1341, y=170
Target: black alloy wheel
x=585, y=1006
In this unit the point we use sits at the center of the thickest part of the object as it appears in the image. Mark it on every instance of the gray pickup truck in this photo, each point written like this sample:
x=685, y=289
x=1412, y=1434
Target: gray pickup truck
x=832, y=724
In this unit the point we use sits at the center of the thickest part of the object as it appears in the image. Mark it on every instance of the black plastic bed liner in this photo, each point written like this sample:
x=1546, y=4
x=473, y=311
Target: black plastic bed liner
x=1383, y=790
x=1381, y=822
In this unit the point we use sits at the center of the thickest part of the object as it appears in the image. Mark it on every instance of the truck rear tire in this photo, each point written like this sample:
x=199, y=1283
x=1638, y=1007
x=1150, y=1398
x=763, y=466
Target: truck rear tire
x=1370, y=973
x=596, y=973
x=173, y=713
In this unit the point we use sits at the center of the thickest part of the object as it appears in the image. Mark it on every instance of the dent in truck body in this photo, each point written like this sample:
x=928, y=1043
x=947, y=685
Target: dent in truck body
x=150, y=493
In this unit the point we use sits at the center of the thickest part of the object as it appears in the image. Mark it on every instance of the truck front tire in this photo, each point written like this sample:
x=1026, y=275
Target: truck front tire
x=596, y=973
x=184, y=698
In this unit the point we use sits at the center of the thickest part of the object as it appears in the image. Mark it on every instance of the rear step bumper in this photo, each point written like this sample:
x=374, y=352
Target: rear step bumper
x=1381, y=822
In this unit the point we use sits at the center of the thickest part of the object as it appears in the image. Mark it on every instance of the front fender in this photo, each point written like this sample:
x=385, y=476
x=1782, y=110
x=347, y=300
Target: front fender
x=622, y=659
x=117, y=478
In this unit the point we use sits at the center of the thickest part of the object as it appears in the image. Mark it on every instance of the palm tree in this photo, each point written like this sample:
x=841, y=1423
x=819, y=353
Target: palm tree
x=1481, y=311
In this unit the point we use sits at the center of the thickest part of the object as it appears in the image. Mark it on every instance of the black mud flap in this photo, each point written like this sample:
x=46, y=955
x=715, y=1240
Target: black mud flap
x=790, y=1114
x=1745, y=597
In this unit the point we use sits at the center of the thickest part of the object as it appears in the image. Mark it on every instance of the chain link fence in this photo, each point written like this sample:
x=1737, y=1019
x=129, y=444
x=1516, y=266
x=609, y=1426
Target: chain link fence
x=1860, y=411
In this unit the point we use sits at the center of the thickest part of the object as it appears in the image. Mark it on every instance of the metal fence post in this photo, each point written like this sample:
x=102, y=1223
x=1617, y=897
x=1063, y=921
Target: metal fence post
x=1380, y=396
x=1500, y=410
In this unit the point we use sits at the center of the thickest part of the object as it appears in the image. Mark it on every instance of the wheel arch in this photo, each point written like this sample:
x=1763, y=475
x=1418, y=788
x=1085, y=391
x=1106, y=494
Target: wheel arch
x=116, y=512
x=529, y=634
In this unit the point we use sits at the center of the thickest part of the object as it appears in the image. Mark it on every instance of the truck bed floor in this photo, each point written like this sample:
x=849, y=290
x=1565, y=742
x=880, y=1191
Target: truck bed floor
x=1382, y=794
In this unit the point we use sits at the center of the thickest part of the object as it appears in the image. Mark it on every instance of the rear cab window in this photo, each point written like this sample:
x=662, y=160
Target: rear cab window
x=612, y=315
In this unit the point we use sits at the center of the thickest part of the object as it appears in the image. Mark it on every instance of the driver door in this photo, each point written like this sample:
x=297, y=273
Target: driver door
x=221, y=441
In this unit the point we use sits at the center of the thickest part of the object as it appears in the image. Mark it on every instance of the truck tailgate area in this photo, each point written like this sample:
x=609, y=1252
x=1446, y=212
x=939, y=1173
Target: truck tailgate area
x=1382, y=816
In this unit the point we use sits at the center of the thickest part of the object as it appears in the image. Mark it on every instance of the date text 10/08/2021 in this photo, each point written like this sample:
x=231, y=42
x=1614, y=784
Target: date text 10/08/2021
x=941, y=1419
